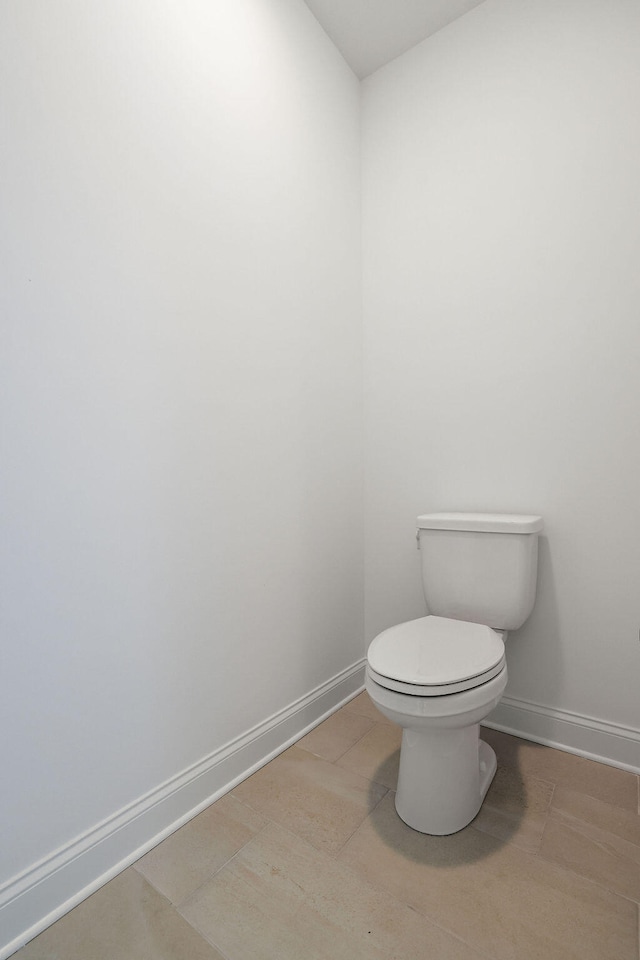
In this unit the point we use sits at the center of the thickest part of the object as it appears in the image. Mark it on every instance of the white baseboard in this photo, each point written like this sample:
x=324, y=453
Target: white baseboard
x=606, y=742
x=47, y=890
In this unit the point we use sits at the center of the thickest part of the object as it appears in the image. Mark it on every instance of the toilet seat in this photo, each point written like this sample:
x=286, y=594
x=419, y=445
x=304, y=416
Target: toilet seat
x=435, y=656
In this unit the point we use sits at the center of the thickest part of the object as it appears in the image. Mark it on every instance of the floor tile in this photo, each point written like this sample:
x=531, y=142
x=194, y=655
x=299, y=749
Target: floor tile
x=505, y=902
x=308, y=859
x=281, y=899
x=363, y=706
x=515, y=809
x=377, y=755
x=125, y=920
x=182, y=862
x=598, y=780
x=596, y=840
x=332, y=738
x=317, y=800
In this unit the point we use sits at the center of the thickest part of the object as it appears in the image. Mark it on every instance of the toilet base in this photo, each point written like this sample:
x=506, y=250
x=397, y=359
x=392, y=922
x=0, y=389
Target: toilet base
x=443, y=779
x=445, y=768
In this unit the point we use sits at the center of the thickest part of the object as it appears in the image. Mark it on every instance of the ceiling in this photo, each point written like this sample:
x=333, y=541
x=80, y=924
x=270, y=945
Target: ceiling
x=369, y=33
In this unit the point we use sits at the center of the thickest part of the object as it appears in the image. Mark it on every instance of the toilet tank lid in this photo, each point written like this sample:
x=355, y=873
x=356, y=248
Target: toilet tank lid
x=486, y=522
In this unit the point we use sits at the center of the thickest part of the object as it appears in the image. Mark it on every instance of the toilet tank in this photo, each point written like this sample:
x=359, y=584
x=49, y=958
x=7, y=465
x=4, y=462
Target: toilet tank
x=480, y=567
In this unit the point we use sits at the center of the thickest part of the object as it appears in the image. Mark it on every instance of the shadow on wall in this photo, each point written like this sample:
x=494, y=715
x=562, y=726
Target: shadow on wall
x=534, y=652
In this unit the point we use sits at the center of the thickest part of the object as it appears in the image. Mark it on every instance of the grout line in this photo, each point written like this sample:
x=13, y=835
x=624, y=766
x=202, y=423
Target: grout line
x=382, y=719
x=547, y=818
x=363, y=882
x=379, y=888
x=347, y=749
x=353, y=832
x=551, y=799
x=599, y=884
x=356, y=742
x=215, y=873
x=178, y=912
x=201, y=933
x=178, y=904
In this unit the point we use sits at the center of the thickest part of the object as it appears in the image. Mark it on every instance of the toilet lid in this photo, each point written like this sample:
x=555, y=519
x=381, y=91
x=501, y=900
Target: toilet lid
x=436, y=651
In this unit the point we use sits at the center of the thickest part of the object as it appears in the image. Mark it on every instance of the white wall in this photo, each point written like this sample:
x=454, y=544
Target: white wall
x=502, y=294
x=181, y=376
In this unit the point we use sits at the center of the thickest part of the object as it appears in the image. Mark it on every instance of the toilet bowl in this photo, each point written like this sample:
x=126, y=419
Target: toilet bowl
x=439, y=694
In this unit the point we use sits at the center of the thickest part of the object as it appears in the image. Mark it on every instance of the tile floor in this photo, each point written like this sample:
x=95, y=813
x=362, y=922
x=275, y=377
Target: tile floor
x=308, y=859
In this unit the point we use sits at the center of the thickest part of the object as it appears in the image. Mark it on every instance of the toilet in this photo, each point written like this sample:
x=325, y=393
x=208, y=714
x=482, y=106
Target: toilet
x=439, y=676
